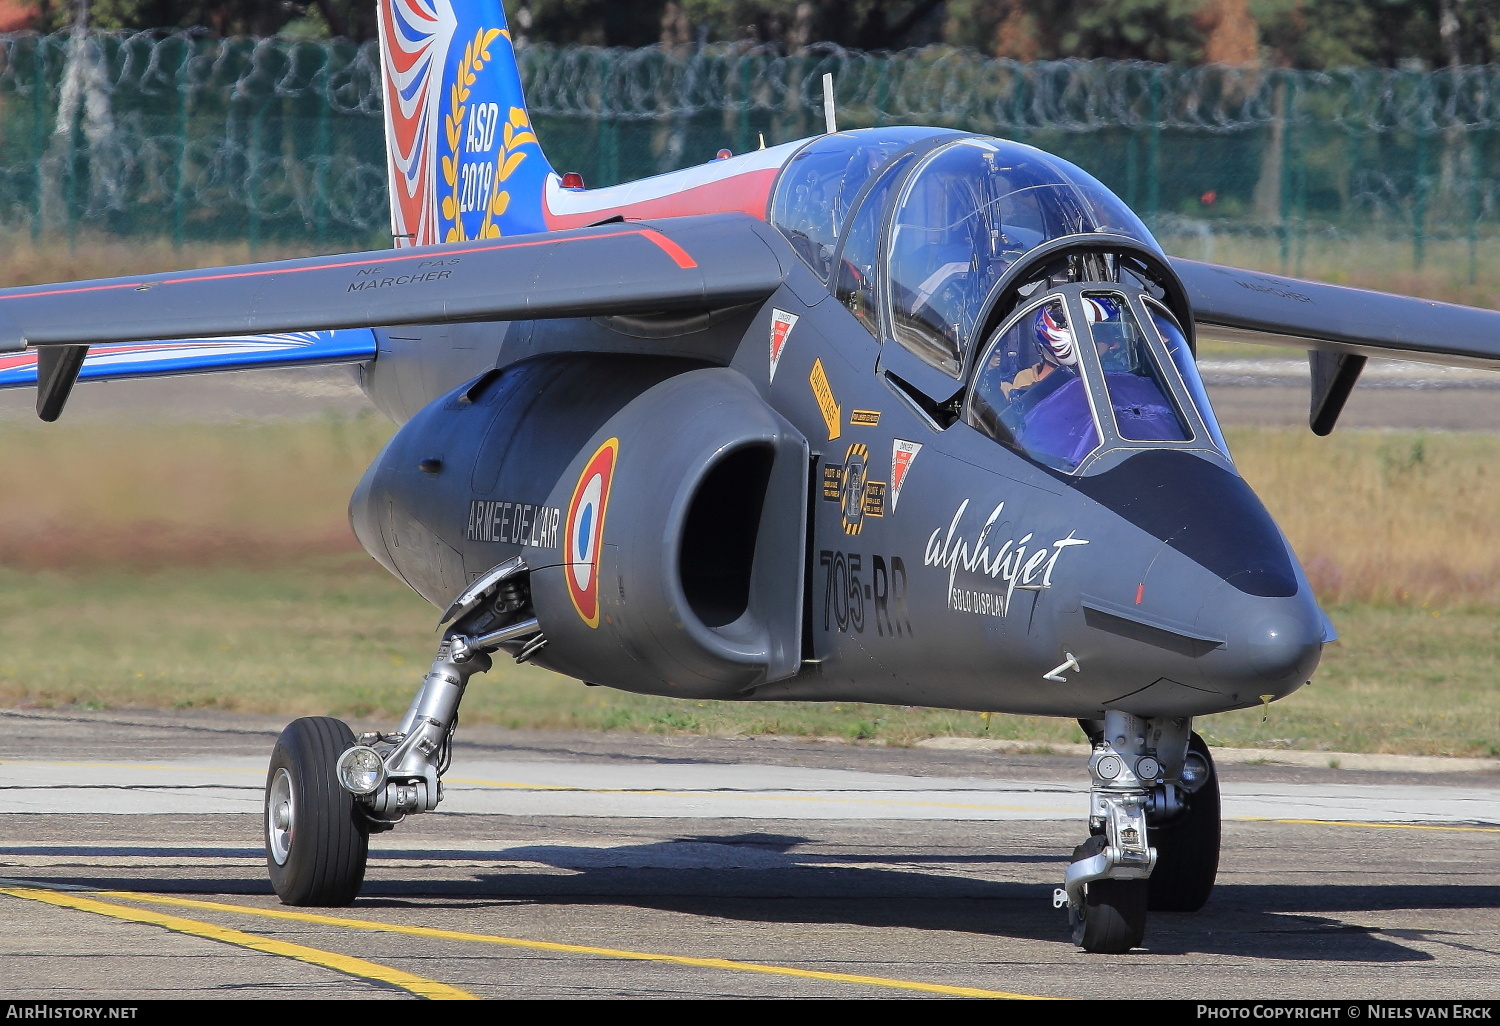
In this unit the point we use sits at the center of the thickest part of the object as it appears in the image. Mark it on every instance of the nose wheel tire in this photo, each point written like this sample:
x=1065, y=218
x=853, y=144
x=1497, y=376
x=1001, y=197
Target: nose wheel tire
x=1187, y=851
x=1113, y=917
x=317, y=841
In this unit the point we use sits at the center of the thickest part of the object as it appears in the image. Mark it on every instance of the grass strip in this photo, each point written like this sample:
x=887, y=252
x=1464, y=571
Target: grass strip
x=341, y=637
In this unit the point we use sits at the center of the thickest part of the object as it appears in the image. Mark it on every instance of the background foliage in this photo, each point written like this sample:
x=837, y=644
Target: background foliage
x=188, y=137
x=1278, y=33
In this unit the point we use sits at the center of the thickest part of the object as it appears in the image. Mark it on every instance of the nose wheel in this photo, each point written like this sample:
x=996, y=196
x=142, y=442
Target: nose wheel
x=317, y=841
x=1112, y=918
x=1187, y=848
x=1154, y=830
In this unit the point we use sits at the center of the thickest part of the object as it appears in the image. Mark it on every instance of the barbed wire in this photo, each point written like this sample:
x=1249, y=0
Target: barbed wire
x=340, y=75
x=933, y=85
x=998, y=96
x=184, y=134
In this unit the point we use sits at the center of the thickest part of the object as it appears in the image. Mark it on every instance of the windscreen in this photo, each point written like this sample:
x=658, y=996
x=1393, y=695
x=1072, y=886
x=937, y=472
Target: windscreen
x=1142, y=401
x=1030, y=393
x=1187, y=369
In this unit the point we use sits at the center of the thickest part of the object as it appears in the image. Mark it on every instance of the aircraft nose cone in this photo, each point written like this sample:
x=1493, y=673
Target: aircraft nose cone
x=1273, y=643
x=1285, y=648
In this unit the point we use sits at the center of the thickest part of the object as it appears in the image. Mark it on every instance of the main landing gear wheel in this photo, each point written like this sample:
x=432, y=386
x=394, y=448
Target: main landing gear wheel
x=316, y=839
x=1113, y=918
x=1187, y=850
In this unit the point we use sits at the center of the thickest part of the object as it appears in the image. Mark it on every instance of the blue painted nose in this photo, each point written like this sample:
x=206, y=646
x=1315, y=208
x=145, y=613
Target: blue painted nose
x=1205, y=512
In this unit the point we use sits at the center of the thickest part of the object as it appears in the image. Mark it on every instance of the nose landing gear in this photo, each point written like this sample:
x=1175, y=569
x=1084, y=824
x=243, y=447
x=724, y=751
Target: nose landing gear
x=326, y=792
x=1153, y=781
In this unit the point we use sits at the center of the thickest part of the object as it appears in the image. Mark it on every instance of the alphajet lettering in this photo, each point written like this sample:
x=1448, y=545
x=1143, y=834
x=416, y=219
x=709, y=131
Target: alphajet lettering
x=1011, y=563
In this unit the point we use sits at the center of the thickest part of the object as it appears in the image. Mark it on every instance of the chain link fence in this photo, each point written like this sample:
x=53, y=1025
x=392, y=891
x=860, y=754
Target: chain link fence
x=188, y=138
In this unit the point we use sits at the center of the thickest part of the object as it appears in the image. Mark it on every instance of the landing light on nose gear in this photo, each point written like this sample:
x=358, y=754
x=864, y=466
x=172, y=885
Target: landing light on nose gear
x=1153, y=781
x=361, y=770
x=328, y=791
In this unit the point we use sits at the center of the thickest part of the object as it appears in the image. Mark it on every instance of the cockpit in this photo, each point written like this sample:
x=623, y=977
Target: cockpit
x=954, y=250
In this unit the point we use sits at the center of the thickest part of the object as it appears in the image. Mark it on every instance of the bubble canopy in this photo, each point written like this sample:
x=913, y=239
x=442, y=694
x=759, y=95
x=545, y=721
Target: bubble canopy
x=816, y=191
x=928, y=223
x=968, y=212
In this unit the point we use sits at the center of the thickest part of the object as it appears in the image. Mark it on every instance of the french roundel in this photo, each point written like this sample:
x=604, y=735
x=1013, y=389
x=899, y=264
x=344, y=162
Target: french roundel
x=583, y=531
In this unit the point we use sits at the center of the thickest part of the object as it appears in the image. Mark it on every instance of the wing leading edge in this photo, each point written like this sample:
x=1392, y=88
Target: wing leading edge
x=639, y=267
x=1339, y=327
x=319, y=310
x=1234, y=305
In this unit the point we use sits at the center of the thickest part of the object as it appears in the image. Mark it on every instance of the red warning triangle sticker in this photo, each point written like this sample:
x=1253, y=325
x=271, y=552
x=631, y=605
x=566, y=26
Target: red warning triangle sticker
x=781, y=329
x=903, y=453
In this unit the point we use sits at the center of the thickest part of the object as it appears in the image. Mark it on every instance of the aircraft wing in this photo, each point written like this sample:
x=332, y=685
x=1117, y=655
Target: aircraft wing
x=228, y=313
x=202, y=355
x=1339, y=327
x=637, y=267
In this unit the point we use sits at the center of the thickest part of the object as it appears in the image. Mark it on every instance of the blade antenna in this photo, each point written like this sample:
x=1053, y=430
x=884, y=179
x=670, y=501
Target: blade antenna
x=829, y=118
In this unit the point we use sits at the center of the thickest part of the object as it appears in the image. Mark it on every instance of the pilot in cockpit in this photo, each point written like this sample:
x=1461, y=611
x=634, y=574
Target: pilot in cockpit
x=1030, y=390
x=1057, y=348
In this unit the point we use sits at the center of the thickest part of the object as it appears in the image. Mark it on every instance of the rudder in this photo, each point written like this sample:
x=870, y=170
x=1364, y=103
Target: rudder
x=463, y=161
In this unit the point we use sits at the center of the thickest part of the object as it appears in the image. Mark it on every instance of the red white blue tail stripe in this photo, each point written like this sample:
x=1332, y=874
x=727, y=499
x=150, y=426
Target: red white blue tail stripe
x=464, y=161
x=194, y=356
x=414, y=41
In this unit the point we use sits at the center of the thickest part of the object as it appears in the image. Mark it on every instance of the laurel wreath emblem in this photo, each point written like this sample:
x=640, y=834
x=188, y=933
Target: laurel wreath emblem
x=516, y=133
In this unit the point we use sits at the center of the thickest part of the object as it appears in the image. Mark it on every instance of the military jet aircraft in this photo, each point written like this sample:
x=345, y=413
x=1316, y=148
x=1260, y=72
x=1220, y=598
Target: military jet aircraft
x=903, y=415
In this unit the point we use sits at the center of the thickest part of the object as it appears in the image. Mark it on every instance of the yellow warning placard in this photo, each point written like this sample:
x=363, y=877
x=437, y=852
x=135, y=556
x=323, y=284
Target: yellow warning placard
x=823, y=393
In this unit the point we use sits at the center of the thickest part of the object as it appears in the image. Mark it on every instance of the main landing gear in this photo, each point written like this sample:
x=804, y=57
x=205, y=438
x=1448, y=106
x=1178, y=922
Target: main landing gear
x=1154, y=830
x=327, y=791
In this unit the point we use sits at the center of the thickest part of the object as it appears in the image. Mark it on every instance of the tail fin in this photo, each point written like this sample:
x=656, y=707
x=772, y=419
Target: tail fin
x=464, y=162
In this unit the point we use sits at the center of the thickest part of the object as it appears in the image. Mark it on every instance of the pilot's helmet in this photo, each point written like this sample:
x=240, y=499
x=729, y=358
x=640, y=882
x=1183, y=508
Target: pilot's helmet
x=1057, y=344
x=1100, y=308
x=1107, y=325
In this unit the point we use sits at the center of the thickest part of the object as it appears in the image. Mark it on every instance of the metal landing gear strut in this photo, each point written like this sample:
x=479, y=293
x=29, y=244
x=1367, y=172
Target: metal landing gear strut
x=1152, y=780
x=327, y=791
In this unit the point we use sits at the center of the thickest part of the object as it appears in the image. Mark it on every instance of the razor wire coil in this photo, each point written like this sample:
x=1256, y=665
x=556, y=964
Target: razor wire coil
x=182, y=134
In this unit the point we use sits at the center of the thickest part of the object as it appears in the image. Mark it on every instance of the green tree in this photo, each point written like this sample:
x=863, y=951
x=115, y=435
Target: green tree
x=1387, y=33
x=1295, y=33
x=352, y=18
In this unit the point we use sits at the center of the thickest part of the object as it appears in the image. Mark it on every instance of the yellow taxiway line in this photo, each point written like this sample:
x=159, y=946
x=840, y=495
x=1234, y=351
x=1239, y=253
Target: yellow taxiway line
x=359, y=967
x=566, y=949
x=1471, y=829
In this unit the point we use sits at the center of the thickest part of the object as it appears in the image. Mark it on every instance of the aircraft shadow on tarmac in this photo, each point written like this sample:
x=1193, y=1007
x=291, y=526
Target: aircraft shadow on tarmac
x=1265, y=921
x=762, y=878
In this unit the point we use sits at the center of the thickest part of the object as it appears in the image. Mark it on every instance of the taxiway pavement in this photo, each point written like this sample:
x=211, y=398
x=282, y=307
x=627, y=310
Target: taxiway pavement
x=610, y=866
